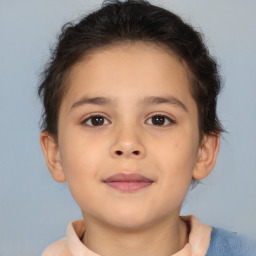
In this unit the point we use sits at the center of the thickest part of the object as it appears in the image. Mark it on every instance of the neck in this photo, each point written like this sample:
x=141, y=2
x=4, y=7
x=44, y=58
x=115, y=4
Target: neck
x=162, y=239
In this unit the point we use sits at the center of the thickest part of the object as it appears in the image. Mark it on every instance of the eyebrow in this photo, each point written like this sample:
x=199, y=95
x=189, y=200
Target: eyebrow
x=150, y=100
x=155, y=100
x=101, y=101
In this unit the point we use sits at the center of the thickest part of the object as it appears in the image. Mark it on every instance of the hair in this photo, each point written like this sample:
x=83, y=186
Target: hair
x=131, y=21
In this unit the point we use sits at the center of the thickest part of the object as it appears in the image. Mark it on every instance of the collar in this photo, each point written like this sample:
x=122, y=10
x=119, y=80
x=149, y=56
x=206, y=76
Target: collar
x=199, y=238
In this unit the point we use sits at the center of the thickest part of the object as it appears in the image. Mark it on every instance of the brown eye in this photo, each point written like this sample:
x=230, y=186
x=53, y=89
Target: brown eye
x=96, y=120
x=160, y=120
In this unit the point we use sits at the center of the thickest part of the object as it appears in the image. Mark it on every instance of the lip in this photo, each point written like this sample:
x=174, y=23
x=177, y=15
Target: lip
x=128, y=182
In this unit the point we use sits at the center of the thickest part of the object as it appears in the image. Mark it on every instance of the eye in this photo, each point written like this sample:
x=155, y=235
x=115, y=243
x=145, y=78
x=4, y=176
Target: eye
x=160, y=120
x=96, y=120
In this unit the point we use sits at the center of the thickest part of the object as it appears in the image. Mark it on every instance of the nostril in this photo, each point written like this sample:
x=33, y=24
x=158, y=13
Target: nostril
x=136, y=152
x=118, y=152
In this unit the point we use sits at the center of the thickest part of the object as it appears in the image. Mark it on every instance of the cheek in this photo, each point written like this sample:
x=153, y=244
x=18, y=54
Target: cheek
x=176, y=158
x=80, y=156
x=80, y=168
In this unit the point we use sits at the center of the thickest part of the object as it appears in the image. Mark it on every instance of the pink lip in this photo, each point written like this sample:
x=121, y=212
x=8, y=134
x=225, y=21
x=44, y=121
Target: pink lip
x=128, y=182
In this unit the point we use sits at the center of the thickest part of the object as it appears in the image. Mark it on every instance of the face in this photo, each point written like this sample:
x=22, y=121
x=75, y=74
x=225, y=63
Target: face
x=128, y=139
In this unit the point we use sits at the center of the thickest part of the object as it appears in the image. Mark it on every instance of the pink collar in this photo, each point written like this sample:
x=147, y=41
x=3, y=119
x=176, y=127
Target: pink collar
x=199, y=240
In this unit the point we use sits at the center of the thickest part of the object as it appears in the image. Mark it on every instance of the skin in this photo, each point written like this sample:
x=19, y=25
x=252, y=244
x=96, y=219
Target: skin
x=128, y=141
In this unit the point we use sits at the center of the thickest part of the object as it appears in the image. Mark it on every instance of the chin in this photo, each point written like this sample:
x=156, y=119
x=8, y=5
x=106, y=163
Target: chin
x=131, y=224
x=129, y=219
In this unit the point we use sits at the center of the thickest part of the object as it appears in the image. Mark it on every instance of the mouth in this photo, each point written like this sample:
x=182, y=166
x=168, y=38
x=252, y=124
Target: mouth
x=128, y=182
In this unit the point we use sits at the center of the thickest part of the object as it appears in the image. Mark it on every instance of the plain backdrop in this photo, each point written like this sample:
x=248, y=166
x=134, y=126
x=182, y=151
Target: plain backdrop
x=34, y=209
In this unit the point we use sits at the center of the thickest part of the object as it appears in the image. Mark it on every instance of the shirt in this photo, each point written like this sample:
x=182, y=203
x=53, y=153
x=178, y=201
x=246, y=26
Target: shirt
x=71, y=245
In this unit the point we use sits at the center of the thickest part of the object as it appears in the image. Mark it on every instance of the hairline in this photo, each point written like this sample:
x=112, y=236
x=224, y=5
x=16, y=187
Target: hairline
x=161, y=46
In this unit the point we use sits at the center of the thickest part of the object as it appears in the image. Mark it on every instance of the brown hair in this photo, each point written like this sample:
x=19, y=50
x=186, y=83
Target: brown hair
x=133, y=20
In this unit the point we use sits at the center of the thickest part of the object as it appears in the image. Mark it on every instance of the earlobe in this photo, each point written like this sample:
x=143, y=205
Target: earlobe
x=52, y=156
x=207, y=155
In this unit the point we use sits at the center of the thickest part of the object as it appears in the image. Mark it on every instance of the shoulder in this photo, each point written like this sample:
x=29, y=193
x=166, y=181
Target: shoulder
x=58, y=248
x=224, y=242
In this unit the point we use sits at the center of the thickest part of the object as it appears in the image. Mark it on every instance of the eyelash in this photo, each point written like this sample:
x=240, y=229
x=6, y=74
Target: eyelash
x=90, y=119
x=166, y=118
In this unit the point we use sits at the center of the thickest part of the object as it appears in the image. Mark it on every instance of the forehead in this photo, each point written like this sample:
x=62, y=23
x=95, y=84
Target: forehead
x=131, y=67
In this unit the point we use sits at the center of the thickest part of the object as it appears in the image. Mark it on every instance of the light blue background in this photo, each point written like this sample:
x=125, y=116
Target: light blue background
x=34, y=209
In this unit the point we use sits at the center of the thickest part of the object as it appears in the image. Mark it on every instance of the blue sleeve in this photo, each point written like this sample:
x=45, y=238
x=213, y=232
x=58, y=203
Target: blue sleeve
x=226, y=243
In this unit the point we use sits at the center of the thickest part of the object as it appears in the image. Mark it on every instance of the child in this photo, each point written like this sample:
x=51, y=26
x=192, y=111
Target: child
x=129, y=123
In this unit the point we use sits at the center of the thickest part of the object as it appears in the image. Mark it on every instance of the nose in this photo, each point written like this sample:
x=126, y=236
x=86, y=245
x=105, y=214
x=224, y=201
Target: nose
x=128, y=144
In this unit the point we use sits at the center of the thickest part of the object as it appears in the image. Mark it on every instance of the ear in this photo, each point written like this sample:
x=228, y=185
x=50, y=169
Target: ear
x=52, y=156
x=207, y=155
